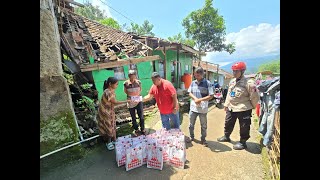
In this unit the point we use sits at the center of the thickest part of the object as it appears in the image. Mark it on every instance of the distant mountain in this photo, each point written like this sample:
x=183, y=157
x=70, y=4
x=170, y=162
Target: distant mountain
x=253, y=63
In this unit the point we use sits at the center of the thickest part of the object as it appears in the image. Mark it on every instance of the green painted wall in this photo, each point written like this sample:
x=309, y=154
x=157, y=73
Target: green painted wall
x=144, y=73
x=171, y=55
x=145, y=70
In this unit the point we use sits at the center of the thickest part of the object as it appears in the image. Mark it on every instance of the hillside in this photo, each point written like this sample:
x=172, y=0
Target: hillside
x=253, y=63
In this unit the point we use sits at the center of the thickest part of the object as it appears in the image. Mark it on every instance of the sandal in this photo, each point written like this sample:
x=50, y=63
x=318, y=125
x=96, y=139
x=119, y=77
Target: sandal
x=144, y=132
x=136, y=133
x=110, y=146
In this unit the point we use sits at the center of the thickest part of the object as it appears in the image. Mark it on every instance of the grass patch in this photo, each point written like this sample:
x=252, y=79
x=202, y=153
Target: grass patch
x=127, y=128
x=124, y=129
x=264, y=150
x=62, y=158
x=265, y=160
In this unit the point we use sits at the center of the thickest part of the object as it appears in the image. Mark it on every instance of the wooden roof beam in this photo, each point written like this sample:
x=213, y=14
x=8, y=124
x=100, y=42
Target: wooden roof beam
x=98, y=66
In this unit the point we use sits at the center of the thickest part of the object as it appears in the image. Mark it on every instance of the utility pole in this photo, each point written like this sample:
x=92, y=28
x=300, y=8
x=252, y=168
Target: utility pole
x=207, y=70
x=217, y=73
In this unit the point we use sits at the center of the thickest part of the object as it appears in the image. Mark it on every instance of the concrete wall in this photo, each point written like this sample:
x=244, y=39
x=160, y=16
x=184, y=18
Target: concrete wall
x=57, y=122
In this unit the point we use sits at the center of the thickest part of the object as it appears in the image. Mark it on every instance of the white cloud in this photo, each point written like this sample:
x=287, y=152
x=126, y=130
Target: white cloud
x=102, y=6
x=252, y=41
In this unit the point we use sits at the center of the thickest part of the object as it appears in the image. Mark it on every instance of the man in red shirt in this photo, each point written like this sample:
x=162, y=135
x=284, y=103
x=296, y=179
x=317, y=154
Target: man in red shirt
x=166, y=97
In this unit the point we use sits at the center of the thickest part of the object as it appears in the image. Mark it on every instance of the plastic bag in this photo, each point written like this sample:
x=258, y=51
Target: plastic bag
x=123, y=138
x=177, y=157
x=121, y=154
x=134, y=158
x=155, y=159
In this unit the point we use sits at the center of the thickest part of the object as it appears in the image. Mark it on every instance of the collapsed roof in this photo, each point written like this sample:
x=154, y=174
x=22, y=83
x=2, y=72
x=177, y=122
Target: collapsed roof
x=81, y=37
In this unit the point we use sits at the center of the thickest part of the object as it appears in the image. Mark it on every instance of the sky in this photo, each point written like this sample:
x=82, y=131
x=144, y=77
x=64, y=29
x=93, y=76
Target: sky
x=254, y=25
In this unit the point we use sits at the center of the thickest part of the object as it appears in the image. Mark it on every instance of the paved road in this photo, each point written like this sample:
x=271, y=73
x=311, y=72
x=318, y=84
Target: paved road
x=217, y=161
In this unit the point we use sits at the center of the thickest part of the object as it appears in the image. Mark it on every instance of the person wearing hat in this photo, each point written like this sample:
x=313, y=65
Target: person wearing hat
x=132, y=87
x=166, y=97
x=242, y=97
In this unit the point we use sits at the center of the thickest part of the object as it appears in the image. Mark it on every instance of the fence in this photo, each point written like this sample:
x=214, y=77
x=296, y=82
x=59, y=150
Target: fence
x=274, y=151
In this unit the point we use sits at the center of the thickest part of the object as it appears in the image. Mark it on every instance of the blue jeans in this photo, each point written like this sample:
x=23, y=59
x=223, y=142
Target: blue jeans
x=266, y=127
x=173, y=117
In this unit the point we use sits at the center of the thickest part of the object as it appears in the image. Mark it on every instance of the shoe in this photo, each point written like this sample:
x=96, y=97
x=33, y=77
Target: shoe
x=224, y=139
x=189, y=140
x=240, y=145
x=204, y=142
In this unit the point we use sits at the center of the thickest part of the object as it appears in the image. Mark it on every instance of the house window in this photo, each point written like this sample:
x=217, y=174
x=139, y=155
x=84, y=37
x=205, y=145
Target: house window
x=135, y=68
x=173, y=72
x=119, y=73
x=161, y=69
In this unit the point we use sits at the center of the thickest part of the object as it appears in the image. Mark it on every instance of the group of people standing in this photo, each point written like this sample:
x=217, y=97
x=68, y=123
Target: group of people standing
x=241, y=98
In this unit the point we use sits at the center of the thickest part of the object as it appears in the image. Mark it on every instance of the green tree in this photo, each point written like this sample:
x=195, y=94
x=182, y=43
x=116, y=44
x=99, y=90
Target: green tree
x=273, y=66
x=110, y=22
x=178, y=38
x=206, y=27
x=90, y=11
x=144, y=29
x=124, y=27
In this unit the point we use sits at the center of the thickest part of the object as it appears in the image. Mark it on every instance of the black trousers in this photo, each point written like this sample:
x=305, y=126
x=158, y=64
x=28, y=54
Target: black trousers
x=244, y=122
x=139, y=109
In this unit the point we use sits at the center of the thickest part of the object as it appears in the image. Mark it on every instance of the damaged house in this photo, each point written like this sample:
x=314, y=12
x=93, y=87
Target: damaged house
x=92, y=52
x=213, y=72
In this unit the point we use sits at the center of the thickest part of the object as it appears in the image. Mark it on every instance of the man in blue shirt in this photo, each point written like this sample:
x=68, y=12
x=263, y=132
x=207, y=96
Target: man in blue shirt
x=200, y=91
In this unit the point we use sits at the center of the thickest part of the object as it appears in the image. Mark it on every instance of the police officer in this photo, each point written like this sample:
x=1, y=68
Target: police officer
x=242, y=97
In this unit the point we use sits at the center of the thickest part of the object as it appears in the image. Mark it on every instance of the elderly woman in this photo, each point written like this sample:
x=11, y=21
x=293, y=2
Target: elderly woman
x=106, y=114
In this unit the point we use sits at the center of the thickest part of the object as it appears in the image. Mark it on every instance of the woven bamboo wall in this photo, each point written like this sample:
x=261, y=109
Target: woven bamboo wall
x=274, y=151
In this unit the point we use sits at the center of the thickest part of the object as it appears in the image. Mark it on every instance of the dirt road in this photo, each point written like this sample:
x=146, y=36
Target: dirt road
x=217, y=161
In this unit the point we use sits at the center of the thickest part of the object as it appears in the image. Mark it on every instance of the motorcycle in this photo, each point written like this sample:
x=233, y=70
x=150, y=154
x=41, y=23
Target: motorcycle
x=218, y=97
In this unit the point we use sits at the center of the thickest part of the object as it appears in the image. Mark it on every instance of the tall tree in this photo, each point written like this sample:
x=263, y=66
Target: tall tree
x=180, y=39
x=110, y=22
x=144, y=29
x=90, y=11
x=206, y=27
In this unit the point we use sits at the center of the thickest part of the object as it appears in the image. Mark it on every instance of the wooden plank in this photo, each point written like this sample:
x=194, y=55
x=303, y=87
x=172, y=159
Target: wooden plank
x=165, y=63
x=97, y=66
x=189, y=49
x=207, y=70
x=142, y=44
x=167, y=48
x=178, y=66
